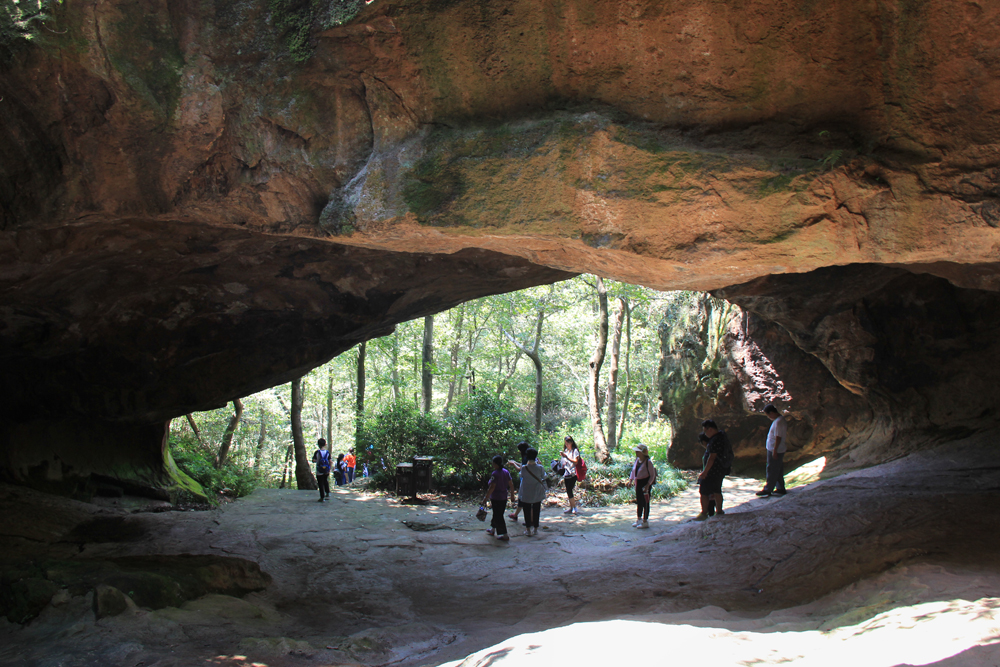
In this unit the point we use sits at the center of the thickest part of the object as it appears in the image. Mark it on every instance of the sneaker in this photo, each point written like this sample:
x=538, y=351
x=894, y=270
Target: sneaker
x=637, y=524
x=701, y=517
x=763, y=493
x=780, y=492
x=644, y=524
x=567, y=511
x=512, y=516
x=320, y=500
x=527, y=532
x=490, y=531
x=504, y=538
x=574, y=511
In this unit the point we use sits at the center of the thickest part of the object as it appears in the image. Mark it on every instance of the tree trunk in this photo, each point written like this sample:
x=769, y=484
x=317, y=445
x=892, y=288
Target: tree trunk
x=596, y=361
x=227, y=437
x=628, y=373
x=359, y=412
x=259, y=453
x=455, y=373
x=427, y=364
x=536, y=358
x=612, y=393
x=194, y=427
x=284, y=470
x=304, y=478
x=329, y=405
x=395, y=367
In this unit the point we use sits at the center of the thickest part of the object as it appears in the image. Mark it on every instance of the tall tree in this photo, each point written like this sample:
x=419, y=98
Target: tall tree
x=454, y=372
x=612, y=391
x=596, y=362
x=194, y=428
x=536, y=358
x=304, y=478
x=227, y=437
x=627, y=307
x=359, y=404
x=427, y=365
x=395, y=366
x=329, y=405
x=259, y=452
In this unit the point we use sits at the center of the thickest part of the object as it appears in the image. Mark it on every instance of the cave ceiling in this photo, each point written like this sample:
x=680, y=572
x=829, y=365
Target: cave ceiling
x=201, y=199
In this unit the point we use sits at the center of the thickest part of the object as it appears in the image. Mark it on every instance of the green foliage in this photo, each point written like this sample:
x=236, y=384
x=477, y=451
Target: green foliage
x=606, y=483
x=197, y=462
x=431, y=186
x=830, y=159
x=21, y=21
x=295, y=20
x=396, y=434
x=481, y=427
x=463, y=444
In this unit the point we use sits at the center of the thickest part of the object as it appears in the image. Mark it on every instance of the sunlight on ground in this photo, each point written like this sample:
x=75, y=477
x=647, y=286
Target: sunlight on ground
x=917, y=635
x=806, y=474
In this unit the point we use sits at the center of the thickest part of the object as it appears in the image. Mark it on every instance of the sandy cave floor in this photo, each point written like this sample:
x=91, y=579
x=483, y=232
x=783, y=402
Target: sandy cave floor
x=903, y=558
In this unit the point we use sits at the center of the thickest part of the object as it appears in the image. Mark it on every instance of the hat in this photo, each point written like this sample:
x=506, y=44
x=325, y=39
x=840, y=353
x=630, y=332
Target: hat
x=641, y=448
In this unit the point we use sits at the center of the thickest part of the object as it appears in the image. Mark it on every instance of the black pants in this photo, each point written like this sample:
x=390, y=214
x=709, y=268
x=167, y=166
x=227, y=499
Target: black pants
x=531, y=512
x=324, y=485
x=641, y=499
x=499, y=523
x=775, y=472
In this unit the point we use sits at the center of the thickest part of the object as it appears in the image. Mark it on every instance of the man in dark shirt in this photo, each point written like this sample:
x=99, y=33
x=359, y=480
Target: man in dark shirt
x=713, y=469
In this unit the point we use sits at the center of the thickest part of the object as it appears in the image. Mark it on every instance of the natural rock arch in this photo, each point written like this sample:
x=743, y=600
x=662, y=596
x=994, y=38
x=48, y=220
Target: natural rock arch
x=188, y=214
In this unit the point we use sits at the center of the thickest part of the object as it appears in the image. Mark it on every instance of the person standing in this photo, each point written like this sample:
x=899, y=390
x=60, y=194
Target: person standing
x=776, y=445
x=644, y=477
x=569, y=458
x=523, y=448
x=532, y=491
x=322, y=460
x=715, y=462
x=340, y=470
x=500, y=482
x=351, y=465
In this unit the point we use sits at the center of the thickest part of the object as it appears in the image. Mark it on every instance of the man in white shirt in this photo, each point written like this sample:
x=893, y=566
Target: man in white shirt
x=776, y=448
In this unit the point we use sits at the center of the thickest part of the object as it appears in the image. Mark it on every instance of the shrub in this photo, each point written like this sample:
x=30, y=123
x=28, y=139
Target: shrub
x=199, y=463
x=479, y=428
x=396, y=434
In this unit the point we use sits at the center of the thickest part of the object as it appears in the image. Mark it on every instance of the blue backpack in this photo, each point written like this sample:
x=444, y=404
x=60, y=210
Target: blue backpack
x=323, y=462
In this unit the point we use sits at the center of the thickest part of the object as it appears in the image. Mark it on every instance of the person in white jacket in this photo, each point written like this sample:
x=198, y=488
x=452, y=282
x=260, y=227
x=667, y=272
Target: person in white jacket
x=532, y=490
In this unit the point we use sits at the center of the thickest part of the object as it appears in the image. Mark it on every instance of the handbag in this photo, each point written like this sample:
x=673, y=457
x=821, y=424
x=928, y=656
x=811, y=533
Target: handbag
x=481, y=514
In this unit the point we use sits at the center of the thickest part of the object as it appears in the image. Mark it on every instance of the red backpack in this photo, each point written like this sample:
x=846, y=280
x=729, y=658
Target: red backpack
x=581, y=469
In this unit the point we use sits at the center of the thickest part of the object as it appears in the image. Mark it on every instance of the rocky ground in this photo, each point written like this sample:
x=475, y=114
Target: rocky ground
x=903, y=555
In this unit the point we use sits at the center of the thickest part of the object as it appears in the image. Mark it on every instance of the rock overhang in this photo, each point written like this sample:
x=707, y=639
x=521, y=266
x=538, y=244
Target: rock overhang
x=676, y=146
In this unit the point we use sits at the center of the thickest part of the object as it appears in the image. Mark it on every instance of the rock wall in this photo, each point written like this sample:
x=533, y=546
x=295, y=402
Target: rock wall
x=733, y=363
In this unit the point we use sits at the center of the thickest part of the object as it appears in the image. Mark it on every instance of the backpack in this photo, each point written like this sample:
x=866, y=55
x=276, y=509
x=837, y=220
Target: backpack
x=323, y=462
x=557, y=467
x=581, y=469
x=726, y=460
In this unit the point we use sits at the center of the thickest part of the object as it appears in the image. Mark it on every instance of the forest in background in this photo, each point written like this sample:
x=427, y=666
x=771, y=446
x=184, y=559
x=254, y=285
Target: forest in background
x=463, y=385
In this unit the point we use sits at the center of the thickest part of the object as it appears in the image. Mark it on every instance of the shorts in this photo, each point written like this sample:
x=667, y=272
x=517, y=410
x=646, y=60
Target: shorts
x=711, y=484
x=570, y=483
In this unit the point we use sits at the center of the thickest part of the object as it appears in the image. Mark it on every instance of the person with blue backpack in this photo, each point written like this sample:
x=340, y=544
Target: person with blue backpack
x=322, y=460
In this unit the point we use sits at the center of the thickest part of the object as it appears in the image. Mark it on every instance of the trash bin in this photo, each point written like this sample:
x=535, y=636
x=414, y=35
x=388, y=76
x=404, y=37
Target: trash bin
x=422, y=473
x=405, y=479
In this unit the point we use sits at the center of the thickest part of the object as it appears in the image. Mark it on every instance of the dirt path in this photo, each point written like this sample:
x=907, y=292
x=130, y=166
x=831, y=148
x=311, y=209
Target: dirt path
x=365, y=580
